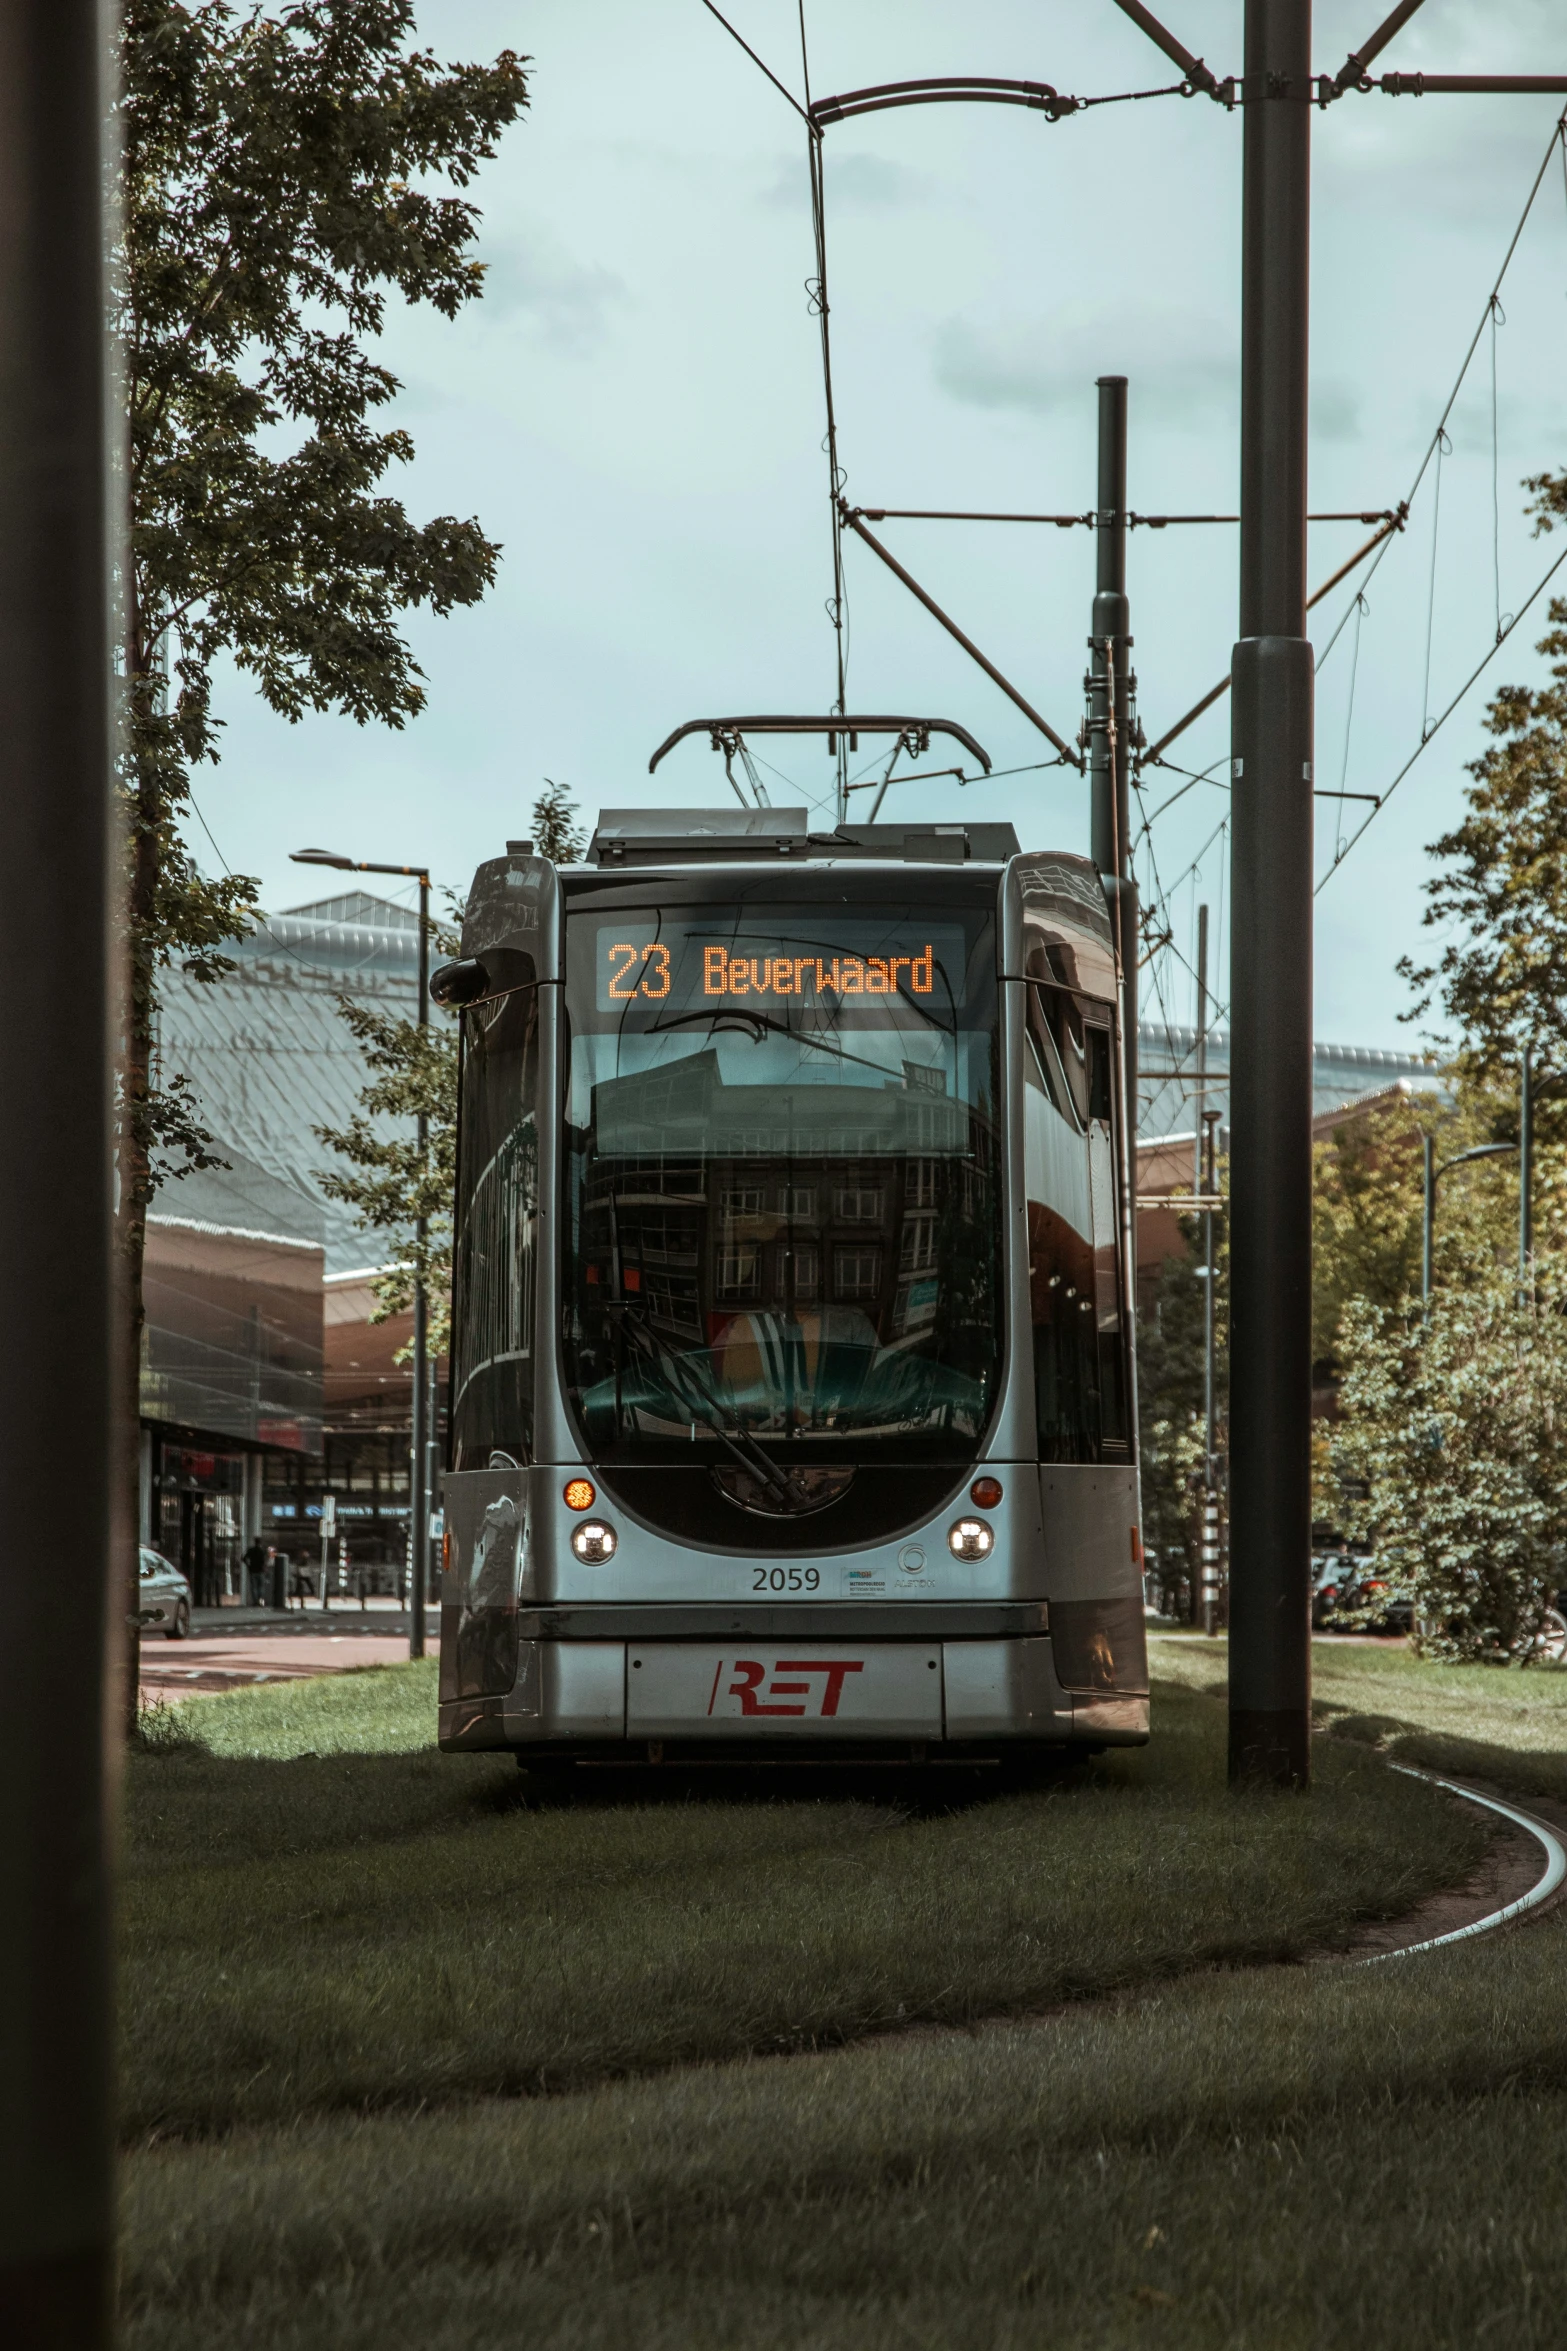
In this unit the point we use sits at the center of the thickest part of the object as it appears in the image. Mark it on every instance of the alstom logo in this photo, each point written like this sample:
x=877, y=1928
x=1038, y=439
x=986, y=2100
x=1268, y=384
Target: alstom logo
x=817, y=1697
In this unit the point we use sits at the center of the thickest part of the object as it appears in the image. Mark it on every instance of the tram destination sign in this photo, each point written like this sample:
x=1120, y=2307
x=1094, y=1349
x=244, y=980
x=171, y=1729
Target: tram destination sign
x=834, y=961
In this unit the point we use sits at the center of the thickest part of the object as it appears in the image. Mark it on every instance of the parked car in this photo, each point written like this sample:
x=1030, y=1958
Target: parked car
x=1348, y=1595
x=165, y=1597
x=1332, y=1576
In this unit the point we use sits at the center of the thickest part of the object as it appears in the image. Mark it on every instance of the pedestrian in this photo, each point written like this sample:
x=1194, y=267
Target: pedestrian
x=255, y=1573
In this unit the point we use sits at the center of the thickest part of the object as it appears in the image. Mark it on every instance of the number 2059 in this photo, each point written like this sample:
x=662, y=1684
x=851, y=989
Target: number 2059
x=786, y=1579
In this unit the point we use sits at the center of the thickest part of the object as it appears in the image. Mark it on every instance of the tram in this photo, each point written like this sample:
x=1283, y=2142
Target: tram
x=792, y=1408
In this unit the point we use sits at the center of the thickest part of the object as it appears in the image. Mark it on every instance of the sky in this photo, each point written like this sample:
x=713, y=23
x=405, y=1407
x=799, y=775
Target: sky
x=635, y=411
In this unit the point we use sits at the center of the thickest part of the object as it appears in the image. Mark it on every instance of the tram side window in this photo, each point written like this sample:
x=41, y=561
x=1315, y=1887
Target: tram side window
x=495, y=1244
x=1080, y=1384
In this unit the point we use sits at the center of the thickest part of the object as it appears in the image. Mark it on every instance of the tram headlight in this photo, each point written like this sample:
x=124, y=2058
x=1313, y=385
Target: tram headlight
x=593, y=1542
x=970, y=1538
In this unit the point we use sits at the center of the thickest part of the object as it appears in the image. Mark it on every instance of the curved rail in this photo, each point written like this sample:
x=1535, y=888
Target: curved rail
x=941, y=89
x=1555, y=1868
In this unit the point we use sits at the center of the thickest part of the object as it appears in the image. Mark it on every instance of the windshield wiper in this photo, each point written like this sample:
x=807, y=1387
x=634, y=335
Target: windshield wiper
x=683, y=1380
x=746, y=1450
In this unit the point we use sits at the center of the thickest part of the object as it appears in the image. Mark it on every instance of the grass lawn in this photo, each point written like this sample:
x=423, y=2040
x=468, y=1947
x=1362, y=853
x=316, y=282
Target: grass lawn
x=1504, y=1724
x=345, y=1959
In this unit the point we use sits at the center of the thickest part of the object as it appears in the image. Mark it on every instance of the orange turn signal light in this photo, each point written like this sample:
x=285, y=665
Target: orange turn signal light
x=986, y=1492
x=579, y=1495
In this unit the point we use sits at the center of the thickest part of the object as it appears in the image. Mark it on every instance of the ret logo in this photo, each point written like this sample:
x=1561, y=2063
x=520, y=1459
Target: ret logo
x=788, y=1697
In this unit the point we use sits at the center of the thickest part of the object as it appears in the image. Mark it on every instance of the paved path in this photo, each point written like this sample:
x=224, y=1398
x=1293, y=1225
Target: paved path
x=288, y=1651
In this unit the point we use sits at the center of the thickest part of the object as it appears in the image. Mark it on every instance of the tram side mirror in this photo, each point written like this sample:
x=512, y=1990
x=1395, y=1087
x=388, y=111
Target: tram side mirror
x=459, y=983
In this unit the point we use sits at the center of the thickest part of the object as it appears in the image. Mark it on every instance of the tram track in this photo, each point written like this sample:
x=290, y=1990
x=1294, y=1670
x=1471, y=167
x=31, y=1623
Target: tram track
x=1545, y=1888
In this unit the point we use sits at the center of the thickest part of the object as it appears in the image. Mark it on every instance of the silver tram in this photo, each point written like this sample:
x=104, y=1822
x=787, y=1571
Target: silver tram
x=792, y=1386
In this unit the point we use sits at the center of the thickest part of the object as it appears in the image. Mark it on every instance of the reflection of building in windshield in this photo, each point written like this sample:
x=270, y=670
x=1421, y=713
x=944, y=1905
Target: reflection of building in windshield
x=687, y=1106
x=820, y=1256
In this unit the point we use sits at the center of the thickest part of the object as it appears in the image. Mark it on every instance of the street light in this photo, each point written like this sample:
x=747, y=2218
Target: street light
x=418, y=1501
x=1432, y=1171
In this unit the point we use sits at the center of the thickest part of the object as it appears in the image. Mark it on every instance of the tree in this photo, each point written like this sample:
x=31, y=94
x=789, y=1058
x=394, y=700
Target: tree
x=1172, y=1424
x=277, y=184
x=1366, y=1205
x=556, y=833
x=1453, y=1457
x=1503, y=980
x=414, y=1069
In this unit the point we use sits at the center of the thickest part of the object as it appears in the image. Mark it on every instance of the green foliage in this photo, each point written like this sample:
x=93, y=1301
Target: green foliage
x=1455, y=1427
x=1170, y=1392
x=1366, y=1203
x=556, y=833
x=413, y=1075
x=276, y=184
x=1503, y=888
x=391, y=1181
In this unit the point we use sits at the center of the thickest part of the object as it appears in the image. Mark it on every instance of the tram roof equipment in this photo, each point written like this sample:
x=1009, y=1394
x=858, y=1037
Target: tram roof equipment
x=695, y=836
x=917, y=731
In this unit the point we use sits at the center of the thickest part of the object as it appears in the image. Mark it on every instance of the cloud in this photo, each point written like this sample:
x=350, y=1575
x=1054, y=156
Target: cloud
x=1335, y=410
x=568, y=303
x=854, y=183
x=1184, y=369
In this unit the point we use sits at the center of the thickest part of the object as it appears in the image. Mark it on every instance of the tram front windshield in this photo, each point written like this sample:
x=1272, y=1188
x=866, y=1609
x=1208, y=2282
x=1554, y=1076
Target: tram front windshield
x=783, y=1176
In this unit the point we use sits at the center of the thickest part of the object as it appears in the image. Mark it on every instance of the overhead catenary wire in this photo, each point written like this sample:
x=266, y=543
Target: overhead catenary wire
x=1437, y=724
x=762, y=67
x=817, y=291
x=1558, y=139
x=1438, y=444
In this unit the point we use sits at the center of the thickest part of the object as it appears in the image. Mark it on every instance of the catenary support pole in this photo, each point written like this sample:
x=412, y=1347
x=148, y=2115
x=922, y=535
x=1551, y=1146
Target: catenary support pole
x=1271, y=963
x=418, y=1490
x=1525, y=1169
x=64, y=1604
x=1427, y=1213
x=1109, y=724
x=1200, y=1057
x=1202, y=1153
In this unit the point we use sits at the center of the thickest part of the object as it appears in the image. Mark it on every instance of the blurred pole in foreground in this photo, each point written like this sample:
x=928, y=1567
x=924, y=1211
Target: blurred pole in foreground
x=56, y=875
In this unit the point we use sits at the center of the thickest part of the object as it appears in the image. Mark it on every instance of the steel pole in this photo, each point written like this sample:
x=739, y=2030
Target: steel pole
x=1270, y=981
x=1428, y=1215
x=65, y=1612
x=1201, y=1056
x=418, y=1504
x=1526, y=1169
x=1110, y=747
x=1202, y=1183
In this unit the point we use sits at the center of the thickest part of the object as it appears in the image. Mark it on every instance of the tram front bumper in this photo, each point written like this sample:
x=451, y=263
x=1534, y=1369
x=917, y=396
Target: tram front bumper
x=769, y=1686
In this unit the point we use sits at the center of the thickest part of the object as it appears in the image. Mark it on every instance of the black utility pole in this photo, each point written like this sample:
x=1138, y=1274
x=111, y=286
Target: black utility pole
x=418, y=1488
x=1109, y=744
x=1271, y=961
x=1526, y=1171
x=57, y=871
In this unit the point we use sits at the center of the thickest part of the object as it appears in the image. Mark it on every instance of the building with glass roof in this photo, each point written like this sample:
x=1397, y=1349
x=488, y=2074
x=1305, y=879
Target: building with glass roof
x=265, y=1384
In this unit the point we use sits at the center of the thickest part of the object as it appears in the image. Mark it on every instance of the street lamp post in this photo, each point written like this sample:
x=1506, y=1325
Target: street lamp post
x=1432, y=1173
x=418, y=1491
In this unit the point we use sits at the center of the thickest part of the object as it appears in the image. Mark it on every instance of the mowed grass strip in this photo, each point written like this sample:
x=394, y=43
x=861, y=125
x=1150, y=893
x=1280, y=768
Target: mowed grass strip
x=305, y=1954
x=1507, y=1724
x=1293, y=2157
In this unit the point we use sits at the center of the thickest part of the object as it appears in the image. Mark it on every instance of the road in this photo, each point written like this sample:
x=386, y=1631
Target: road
x=234, y=1648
